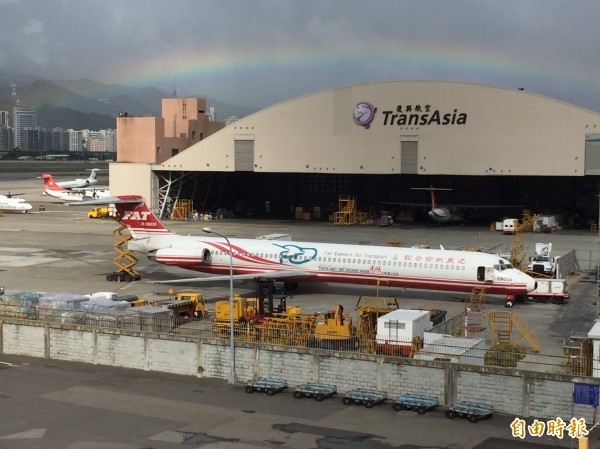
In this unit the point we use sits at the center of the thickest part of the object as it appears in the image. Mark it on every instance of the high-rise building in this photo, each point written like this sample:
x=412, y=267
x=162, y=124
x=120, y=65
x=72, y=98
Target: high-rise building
x=75, y=140
x=4, y=117
x=6, y=139
x=24, y=118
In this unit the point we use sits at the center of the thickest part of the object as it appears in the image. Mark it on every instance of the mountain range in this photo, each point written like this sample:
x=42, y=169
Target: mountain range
x=88, y=104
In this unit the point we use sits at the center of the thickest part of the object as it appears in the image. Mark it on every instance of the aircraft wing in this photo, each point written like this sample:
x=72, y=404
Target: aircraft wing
x=112, y=200
x=456, y=206
x=406, y=203
x=292, y=274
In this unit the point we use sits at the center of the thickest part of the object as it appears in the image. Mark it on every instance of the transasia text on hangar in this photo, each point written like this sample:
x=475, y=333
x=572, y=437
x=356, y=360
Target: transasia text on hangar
x=376, y=142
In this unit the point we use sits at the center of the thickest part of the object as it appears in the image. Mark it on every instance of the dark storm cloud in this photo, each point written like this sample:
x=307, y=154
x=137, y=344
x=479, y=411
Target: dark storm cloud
x=546, y=46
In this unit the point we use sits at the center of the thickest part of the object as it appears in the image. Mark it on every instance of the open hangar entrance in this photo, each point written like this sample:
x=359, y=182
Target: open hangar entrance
x=277, y=195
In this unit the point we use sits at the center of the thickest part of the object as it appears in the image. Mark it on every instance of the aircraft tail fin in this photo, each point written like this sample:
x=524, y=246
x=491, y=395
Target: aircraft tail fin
x=434, y=203
x=93, y=173
x=50, y=184
x=134, y=213
x=139, y=219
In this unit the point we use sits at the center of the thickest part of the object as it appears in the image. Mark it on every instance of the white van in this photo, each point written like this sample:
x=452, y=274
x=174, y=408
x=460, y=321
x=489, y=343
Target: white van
x=509, y=225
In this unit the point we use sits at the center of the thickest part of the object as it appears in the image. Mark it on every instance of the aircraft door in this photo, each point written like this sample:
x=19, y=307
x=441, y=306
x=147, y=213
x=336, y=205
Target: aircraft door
x=485, y=274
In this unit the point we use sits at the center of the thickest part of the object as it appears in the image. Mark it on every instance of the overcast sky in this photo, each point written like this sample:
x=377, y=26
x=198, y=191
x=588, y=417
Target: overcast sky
x=260, y=52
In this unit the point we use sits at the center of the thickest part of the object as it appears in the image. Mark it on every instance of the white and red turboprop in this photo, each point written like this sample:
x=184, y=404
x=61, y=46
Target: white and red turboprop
x=292, y=262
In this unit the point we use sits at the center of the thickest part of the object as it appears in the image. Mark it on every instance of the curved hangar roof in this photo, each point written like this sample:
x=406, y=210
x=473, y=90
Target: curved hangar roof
x=419, y=127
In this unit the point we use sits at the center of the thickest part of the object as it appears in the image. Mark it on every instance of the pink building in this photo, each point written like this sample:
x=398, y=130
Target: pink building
x=156, y=139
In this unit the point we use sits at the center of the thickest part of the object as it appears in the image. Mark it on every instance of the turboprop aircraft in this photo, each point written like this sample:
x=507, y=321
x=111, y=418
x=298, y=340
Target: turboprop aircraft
x=77, y=183
x=54, y=190
x=438, y=213
x=293, y=262
x=10, y=204
x=449, y=213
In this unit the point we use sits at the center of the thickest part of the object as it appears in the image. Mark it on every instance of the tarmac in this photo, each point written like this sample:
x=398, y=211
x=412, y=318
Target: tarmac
x=51, y=404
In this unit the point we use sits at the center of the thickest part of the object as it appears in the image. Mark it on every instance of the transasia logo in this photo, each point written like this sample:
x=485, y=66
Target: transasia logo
x=428, y=118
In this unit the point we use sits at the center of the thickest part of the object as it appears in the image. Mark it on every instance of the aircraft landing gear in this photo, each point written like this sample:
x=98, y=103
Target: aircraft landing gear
x=290, y=286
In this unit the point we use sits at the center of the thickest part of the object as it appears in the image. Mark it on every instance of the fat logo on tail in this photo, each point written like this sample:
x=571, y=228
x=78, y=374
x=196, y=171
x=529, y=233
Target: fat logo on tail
x=140, y=220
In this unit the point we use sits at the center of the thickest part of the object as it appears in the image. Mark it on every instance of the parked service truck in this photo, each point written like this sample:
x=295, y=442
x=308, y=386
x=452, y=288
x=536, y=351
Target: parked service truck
x=541, y=262
x=509, y=225
x=545, y=223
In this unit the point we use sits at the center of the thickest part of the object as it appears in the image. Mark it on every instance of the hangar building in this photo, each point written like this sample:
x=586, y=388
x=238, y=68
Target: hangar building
x=376, y=142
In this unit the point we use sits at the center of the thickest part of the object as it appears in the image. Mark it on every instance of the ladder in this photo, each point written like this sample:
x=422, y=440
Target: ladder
x=346, y=213
x=477, y=299
x=502, y=326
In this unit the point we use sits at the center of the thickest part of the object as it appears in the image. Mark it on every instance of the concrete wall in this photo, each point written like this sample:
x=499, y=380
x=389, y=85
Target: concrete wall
x=516, y=393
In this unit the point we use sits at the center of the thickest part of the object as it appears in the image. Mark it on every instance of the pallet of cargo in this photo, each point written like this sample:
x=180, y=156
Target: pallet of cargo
x=267, y=385
x=363, y=396
x=421, y=403
x=470, y=410
x=315, y=390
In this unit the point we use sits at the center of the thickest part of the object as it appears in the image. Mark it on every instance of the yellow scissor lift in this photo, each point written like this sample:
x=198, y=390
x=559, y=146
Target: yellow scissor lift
x=125, y=260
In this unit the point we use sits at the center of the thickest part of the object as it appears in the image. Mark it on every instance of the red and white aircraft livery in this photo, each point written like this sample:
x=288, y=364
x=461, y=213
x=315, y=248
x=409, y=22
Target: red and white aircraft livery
x=54, y=190
x=293, y=262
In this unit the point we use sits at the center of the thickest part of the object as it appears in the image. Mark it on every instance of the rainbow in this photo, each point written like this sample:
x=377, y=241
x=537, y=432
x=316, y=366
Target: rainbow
x=376, y=61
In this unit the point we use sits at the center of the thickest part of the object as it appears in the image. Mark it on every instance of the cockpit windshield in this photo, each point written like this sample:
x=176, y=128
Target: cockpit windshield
x=503, y=265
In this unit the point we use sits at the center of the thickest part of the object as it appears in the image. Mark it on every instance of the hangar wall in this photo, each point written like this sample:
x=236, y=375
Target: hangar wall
x=131, y=179
x=460, y=129
x=521, y=393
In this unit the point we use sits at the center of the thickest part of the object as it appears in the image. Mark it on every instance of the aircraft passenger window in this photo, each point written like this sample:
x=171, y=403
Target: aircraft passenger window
x=409, y=264
x=420, y=265
x=446, y=267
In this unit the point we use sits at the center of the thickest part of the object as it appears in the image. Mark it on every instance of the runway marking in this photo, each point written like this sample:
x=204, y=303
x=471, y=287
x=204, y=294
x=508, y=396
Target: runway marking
x=28, y=434
x=24, y=257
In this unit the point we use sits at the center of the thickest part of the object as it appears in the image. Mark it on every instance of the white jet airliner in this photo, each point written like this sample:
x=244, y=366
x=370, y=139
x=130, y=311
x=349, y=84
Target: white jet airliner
x=79, y=183
x=10, y=204
x=292, y=262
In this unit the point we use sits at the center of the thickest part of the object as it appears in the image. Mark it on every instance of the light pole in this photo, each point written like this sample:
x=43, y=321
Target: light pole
x=232, y=377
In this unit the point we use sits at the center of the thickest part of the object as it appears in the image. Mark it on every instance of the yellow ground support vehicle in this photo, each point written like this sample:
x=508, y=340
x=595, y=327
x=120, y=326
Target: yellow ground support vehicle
x=98, y=212
x=190, y=304
x=334, y=330
x=197, y=299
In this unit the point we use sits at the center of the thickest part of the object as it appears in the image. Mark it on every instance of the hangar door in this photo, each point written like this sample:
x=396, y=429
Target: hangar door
x=592, y=154
x=244, y=155
x=408, y=156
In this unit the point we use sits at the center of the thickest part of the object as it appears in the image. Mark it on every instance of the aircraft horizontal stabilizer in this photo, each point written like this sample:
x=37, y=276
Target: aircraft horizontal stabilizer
x=278, y=275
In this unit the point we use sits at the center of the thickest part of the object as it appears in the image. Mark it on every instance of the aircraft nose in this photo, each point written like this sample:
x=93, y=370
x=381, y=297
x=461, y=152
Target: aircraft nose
x=531, y=284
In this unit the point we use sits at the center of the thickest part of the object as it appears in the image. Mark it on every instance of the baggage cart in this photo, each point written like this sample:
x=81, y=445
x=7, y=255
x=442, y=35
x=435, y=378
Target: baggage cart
x=470, y=410
x=362, y=396
x=270, y=386
x=315, y=390
x=421, y=403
